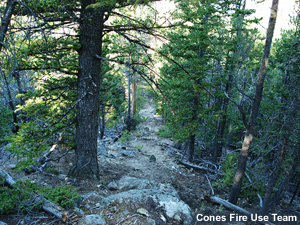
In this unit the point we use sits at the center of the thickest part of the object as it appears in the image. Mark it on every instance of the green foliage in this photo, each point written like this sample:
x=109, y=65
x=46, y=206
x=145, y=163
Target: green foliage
x=139, y=147
x=20, y=199
x=53, y=171
x=65, y=196
x=5, y=126
x=124, y=139
x=50, y=110
x=164, y=132
x=229, y=167
x=251, y=187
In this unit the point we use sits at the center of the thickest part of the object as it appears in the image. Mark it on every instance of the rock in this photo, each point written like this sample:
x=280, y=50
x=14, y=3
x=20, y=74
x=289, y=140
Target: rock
x=128, y=153
x=92, y=219
x=128, y=182
x=153, y=200
x=168, y=203
x=143, y=211
x=112, y=186
x=152, y=158
x=163, y=218
x=77, y=210
x=11, y=167
x=125, y=212
x=93, y=197
x=150, y=221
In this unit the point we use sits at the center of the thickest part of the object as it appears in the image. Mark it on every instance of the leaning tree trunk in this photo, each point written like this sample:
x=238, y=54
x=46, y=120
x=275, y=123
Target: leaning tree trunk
x=237, y=183
x=91, y=27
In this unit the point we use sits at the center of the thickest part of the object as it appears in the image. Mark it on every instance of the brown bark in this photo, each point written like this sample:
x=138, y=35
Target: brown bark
x=91, y=27
x=237, y=183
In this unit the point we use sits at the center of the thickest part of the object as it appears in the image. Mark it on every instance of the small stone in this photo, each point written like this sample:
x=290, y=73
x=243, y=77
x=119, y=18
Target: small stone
x=125, y=212
x=11, y=167
x=92, y=219
x=78, y=211
x=112, y=186
x=152, y=158
x=143, y=211
x=163, y=218
x=177, y=218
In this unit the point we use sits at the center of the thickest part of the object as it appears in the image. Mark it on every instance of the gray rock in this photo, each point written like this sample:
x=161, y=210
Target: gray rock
x=77, y=210
x=112, y=186
x=152, y=158
x=128, y=153
x=143, y=211
x=93, y=197
x=92, y=219
x=145, y=193
x=171, y=204
x=128, y=182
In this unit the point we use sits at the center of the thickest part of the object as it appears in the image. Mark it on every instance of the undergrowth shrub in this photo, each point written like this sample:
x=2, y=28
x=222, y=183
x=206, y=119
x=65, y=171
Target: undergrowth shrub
x=252, y=184
x=20, y=198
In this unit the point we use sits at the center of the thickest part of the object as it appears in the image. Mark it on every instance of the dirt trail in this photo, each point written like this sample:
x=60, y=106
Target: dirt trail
x=150, y=159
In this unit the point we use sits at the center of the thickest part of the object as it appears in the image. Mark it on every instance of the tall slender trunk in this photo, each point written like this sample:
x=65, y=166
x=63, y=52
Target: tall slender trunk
x=191, y=148
x=134, y=93
x=129, y=119
x=102, y=121
x=91, y=28
x=217, y=150
x=273, y=179
x=5, y=21
x=192, y=138
x=20, y=89
x=243, y=157
x=11, y=104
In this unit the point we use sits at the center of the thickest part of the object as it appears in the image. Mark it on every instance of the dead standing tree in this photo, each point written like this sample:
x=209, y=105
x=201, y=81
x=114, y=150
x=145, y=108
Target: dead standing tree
x=250, y=126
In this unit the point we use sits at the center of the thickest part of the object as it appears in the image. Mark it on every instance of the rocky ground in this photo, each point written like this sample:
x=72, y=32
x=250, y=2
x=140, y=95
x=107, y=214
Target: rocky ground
x=141, y=183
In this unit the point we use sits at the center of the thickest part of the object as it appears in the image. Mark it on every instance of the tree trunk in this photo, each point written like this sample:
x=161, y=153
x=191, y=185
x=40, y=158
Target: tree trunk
x=237, y=183
x=134, y=93
x=192, y=138
x=11, y=104
x=273, y=179
x=218, y=145
x=102, y=121
x=5, y=21
x=129, y=119
x=20, y=89
x=91, y=27
x=191, y=148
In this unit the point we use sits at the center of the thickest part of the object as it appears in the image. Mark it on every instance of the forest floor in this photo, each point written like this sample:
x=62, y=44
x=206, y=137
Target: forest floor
x=143, y=155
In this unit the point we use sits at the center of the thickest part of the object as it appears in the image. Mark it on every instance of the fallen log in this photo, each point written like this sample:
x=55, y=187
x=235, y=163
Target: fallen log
x=47, y=206
x=196, y=167
x=233, y=207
